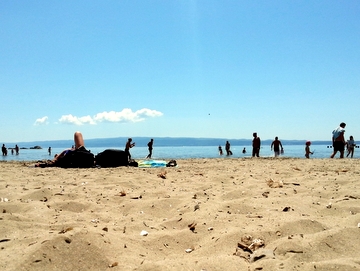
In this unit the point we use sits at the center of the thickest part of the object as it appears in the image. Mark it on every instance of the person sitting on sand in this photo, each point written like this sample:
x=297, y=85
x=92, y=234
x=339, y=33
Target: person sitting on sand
x=307, y=149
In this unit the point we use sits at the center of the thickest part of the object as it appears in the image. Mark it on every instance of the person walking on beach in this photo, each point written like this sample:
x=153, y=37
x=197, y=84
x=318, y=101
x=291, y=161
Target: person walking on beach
x=350, y=145
x=338, y=140
x=256, y=143
x=4, y=150
x=307, y=149
x=276, y=144
x=227, y=148
x=150, y=146
x=128, y=146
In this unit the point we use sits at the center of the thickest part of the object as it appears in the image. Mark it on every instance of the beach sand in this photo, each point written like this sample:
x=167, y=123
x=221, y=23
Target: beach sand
x=205, y=214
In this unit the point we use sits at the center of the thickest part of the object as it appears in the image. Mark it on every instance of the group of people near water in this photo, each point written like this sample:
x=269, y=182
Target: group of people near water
x=338, y=143
x=129, y=144
x=5, y=152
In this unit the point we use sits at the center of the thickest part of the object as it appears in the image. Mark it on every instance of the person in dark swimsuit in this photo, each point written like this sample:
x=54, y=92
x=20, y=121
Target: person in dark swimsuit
x=150, y=146
x=256, y=143
x=276, y=144
x=128, y=146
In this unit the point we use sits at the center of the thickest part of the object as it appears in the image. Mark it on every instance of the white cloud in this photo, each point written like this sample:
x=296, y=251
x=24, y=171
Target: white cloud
x=70, y=119
x=126, y=115
x=42, y=121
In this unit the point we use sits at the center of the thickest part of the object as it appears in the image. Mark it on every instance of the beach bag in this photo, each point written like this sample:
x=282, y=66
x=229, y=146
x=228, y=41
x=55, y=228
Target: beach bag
x=112, y=158
x=133, y=163
x=172, y=163
x=79, y=158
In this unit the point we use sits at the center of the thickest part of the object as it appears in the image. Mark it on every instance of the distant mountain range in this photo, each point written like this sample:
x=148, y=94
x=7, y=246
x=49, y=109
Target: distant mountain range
x=158, y=141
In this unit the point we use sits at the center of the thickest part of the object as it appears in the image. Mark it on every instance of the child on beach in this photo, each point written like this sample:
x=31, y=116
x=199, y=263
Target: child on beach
x=220, y=151
x=307, y=149
x=350, y=145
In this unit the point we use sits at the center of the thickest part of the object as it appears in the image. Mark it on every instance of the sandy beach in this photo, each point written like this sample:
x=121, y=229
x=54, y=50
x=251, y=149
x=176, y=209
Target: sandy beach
x=205, y=214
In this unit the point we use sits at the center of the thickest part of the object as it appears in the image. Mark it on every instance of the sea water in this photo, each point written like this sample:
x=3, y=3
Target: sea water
x=181, y=152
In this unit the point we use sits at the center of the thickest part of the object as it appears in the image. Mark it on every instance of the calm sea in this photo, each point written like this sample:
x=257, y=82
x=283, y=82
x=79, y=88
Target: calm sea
x=181, y=152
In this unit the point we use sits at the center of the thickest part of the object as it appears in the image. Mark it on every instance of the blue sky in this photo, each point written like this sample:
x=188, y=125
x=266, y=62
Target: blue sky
x=179, y=69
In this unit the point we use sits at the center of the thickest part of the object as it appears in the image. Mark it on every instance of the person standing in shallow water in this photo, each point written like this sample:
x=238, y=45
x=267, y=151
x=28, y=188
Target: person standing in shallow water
x=276, y=144
x=150, y=146
x=256, y=143
x=338, y=140
x=307, y=149
x=16, y=149
x=4, y=150
x=227, y=148
x=220, y=151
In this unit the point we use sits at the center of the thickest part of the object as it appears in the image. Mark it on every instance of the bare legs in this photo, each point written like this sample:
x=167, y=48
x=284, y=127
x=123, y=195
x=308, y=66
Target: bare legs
x=334, y=153
x=78, y=140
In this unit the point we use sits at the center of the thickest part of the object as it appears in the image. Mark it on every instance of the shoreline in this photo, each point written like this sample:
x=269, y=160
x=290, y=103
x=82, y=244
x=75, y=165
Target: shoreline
x=306, y=212
x=166, y=153
x=224, y=158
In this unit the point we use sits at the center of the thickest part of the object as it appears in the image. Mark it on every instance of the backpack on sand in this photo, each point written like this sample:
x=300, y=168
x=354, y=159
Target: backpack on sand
x=112, y=158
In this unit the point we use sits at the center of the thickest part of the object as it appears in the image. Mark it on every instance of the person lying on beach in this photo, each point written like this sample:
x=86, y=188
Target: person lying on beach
x=79, y=146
